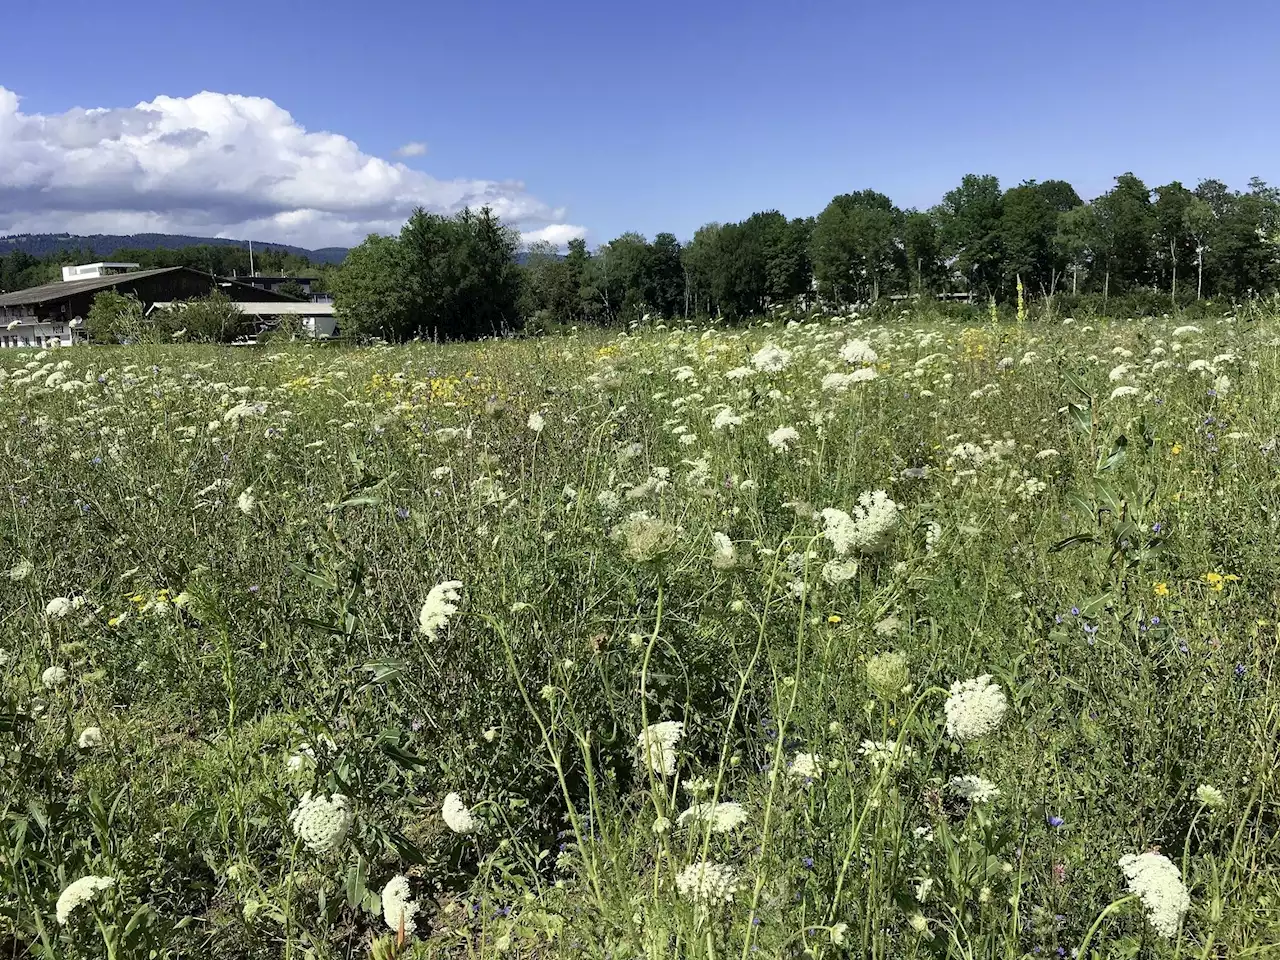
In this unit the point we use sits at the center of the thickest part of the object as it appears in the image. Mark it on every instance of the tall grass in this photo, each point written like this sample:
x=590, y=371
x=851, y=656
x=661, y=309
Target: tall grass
x=244, y=541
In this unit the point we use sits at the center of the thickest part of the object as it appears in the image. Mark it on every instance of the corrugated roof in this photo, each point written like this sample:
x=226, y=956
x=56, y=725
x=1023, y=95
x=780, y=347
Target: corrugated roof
x=66, y=288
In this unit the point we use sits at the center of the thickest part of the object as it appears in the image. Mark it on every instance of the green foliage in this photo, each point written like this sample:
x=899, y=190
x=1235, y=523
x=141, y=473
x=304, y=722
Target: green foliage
x=114, y=318
x=242, y=545
x=443, y=278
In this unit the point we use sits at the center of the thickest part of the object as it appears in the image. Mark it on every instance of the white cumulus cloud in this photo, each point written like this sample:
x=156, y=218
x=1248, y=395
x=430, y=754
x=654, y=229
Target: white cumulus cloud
x=218, y=164
x=414, y=148
x=558, y=233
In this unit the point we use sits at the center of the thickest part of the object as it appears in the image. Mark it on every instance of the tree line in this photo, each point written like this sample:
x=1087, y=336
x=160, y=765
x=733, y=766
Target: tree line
x=455, y=277
x=20, y=269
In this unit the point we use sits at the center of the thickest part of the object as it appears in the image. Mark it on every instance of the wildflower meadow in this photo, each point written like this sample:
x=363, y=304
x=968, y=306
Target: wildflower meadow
x=894, y=637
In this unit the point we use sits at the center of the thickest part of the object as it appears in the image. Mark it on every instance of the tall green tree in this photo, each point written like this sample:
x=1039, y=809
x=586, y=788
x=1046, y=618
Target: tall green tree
x=664, y=278
x=1028, y=223
x=922, y=248
x=969, y=219
x=855, y=247
x=1126, y=231
x=1176, y=250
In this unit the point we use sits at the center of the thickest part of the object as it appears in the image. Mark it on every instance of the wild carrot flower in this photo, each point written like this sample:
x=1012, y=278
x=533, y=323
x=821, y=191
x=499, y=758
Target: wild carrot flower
x=1158, y=884
x=888, y=673
x=440, y=606
x=975, y=708
x=457, y=815
x=656, y=745
x=398, y=906
x=973, y=788
x=57, y=608
x=78, y=893
x=707, y=882
x=321, y=822
x=53, y=677
x=1211, y=797
x=90, y=738
x=719, y=817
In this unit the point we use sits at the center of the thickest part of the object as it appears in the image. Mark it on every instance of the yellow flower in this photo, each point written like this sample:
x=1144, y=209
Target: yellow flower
x=1176, y=449
x=1216, y=581
x=833, y=619
x=1161, y=589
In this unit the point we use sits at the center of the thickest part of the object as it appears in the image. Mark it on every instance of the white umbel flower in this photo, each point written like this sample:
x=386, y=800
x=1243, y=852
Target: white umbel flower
x=975, y=708
x=57, y=608
x=80, y=892
x=973, y=788
x=321, y=822
x=90, y=738
x=246, y=501
x=724, y=555
x=881, y=752
x=21, y=570
x=537, y=422
x=858, y=351
x=718, y=817
x=806, y=766
x=707, y=882
x=53, y=677
x=398, y=906
x=870, y=528
x=781, y=437
x=1211, y=797
x=442, y=603
x=771, y=358
x=1158, y=884
x=457, y=815
x=657, y=746
x=1120, y=392
x=726, y=418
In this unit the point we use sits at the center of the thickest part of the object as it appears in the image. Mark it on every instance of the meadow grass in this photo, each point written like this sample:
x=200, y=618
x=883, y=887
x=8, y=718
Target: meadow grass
x=230, y=556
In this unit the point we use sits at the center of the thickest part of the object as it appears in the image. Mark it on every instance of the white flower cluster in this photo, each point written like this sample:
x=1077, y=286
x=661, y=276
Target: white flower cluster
x=806, y=766
x=771, y=358
x=442, y=603
x=53, y=677
x=398, y=906
x=781, y=437
x=975, y=708
x=725, y=554
x=868, y=530
x=1158, y=884
x=79, y=893
x=973, y=788
x=719, y=817
x=881, y=752
x=321, y=822
x=858, y=351
x=457, y=815
x=1211, y=797
x=657, y=746
x=707, y=882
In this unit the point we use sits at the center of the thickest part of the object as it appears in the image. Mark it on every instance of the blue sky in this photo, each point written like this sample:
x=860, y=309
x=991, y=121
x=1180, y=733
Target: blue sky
x=659, y=116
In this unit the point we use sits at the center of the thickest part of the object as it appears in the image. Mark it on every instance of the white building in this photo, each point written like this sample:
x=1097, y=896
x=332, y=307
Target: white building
x=85, y=271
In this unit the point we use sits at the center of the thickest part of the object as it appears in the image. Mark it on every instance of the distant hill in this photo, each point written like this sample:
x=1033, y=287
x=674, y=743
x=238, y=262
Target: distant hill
x=105, y=245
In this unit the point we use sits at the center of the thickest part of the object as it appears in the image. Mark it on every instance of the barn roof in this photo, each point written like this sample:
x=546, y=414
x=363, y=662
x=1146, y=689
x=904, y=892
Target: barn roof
x=62, y=289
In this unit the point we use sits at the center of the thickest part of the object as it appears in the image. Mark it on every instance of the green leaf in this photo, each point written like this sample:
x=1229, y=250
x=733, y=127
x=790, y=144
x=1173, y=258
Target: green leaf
x=1076, y=384
x=384, y=671
x=324, y=583
x=1094, y=606
x=1075, y=540
x=1081, y=417
x=356, y=502
x=357, y=882
x=1117, y=456
x=402, y=756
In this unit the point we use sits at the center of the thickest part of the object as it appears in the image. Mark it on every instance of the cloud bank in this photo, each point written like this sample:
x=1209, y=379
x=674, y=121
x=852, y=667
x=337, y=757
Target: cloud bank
x=224, y=165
